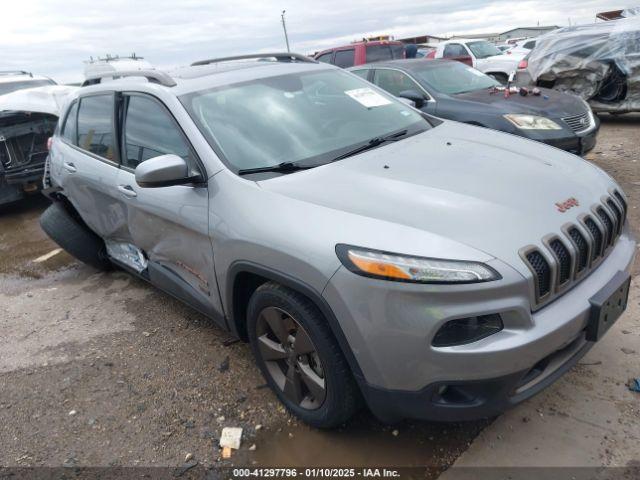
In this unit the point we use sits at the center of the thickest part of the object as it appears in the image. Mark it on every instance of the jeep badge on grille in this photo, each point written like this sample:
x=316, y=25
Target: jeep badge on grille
x=567, y=204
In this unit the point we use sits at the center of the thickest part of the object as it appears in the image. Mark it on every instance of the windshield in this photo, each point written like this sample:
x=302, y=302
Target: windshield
x=308, y=118
x=453, y=77
x=483, y=49
x=14, y=86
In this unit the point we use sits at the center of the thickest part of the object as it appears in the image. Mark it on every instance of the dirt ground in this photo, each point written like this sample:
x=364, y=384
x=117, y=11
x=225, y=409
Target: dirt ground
x=99, y=369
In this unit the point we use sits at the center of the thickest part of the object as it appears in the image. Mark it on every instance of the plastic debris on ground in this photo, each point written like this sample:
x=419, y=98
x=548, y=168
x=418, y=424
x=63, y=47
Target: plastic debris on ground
x=634, y=385
x=599, y=62
x=231, y=437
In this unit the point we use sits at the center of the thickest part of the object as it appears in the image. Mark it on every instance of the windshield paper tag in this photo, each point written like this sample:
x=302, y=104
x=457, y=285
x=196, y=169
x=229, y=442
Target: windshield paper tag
x=367, y=97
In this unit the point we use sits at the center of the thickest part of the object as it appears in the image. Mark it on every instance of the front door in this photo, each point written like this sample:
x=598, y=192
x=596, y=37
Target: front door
x=168, y=224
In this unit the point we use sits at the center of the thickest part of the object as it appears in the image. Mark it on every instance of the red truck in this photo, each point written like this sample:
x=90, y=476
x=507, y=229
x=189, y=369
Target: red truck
x=359, y=53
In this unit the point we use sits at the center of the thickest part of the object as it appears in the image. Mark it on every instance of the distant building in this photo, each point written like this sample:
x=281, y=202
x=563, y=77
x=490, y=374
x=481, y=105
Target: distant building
x=491, y=37
x=420, y=39
x=525, y=32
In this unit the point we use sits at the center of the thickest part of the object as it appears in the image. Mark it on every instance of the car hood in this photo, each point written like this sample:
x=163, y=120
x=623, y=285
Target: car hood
x=489, y=190
x=549, y=103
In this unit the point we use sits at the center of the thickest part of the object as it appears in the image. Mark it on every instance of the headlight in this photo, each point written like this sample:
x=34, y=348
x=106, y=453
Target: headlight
x=405, y=268
x=532, y=122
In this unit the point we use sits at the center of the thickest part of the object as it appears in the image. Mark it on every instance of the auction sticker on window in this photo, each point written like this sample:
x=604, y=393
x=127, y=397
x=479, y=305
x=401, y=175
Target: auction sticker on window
x=367, y=97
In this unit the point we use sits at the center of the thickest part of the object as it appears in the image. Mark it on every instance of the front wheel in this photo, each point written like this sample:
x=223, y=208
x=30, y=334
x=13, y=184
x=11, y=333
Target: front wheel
x=299, y=357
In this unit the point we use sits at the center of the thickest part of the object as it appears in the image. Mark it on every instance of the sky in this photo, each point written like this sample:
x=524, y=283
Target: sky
x=55, y=37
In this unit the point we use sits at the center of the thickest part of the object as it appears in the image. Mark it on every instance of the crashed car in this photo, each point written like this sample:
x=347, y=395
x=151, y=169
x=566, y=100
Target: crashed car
x=24, y=130
x=364, y=249
x=600, y=62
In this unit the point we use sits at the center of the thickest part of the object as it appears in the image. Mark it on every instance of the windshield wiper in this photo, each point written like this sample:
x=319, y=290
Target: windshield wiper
x=284, y=167
x=373, y=143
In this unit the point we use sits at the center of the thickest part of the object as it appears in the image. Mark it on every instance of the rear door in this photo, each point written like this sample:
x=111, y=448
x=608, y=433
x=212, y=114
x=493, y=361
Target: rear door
x=88, y=165
x=169, y=224
x=458, y=52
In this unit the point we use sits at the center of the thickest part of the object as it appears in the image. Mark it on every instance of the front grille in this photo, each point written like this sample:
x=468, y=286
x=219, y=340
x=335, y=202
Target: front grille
x=608, y=226
x=582, y=248
x=578, y=123
x=618, y=214
x=596, y=234
x=560, y=267
x=542, y=271
x=623, y=203
x=564, y=260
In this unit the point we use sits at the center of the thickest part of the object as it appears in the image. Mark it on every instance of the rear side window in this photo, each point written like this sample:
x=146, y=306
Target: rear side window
x=364, y=73
x=95, y=123
x=345, y=58
x=325, y=58
x=378, y=53
x=150, y=131
x=530, y=45
x=70, y=128
x=454, y=50
x=395, y=82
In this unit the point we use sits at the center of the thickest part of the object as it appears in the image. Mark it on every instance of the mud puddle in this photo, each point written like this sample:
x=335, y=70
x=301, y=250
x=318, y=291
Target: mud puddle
x=365, y=443
x=22, y=241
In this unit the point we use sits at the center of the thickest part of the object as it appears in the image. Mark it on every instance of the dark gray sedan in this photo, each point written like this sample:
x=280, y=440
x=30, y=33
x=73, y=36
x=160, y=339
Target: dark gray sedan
x=452, y=90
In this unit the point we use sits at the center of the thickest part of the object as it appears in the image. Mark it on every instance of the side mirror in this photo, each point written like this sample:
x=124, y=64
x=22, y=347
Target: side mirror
x=416, y=97
x=163, y=171
x=406, y=101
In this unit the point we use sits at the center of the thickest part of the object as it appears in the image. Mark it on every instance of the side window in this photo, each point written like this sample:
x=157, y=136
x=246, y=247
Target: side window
x=345, y=58
x=454, y=50
x=530, y=45
x=394, y=81
x=95, y=125
x=378, y=53
x=70, y=128
x=363, y=73
x=325, y=58
x=150, y=131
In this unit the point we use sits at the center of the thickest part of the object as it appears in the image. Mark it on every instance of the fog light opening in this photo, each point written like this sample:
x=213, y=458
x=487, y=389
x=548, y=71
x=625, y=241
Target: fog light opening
x=452, y=395
x=467, y=330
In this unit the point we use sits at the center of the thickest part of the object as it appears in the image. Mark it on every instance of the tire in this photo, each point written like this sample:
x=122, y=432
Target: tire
x=341, y=396
x=74, y=237
x=500, y=77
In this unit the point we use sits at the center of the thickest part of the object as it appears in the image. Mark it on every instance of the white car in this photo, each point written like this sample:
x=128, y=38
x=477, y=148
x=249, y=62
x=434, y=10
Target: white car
x=522, y=48
x=480, y=54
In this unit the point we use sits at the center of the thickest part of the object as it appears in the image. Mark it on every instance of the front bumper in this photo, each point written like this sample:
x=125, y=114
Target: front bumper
x=390, y=327
x=576, y=144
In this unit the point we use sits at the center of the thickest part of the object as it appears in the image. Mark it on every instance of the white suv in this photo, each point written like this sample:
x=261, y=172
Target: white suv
x=480, y=54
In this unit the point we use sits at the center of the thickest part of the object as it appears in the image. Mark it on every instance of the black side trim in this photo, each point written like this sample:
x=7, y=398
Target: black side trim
x=241, y=266
x=167, y=280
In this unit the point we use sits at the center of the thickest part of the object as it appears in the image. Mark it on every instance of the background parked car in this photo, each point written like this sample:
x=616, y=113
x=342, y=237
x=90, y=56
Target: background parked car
x=455, y=91
x=23, y=139
x=480, y=54
x=359, y=53
x=522, y=48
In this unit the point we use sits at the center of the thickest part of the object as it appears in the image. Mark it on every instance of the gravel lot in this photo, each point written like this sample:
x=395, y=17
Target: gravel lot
x=101, y=369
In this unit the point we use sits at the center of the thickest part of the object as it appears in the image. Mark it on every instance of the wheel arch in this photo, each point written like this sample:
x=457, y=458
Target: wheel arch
x=244, y=277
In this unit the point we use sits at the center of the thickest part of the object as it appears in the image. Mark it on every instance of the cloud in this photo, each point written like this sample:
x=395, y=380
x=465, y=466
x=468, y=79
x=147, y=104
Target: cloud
x=54, y=37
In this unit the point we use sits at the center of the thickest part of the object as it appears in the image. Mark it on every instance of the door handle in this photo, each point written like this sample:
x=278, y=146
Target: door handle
x=127, y=191
x=69, y=167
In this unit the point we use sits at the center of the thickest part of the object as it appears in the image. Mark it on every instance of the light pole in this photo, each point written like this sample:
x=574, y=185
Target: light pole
x=284, y=27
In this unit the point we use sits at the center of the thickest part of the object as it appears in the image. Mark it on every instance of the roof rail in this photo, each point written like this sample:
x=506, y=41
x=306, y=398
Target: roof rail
x=15, y=72
x=154, y=76
x=280, y=57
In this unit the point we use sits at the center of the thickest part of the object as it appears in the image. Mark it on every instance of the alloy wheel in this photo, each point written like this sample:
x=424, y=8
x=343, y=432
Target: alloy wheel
x=291, y=358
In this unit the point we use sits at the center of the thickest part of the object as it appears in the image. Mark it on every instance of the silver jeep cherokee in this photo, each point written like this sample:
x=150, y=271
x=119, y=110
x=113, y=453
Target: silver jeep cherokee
x=364, y=249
